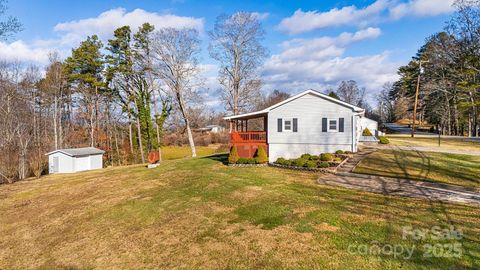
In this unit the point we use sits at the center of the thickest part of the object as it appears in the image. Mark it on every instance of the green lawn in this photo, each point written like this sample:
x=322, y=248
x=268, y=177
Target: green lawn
x=429, y=141
x=199, y=213
x=176, y=152
x=463, y=170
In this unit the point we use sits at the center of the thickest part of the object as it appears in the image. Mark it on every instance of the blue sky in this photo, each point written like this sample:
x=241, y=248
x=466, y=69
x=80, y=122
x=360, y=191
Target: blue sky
x=312, y=44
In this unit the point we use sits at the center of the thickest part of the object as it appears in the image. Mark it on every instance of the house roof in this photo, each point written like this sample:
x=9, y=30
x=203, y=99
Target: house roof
x=75, y=152
x=311, y=91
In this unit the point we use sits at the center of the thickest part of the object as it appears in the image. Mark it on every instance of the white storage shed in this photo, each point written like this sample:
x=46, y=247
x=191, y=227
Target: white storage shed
x=75, y=160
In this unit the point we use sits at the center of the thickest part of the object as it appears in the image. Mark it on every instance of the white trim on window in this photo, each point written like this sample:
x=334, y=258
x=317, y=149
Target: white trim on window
x=332, y=125
x=288, y=124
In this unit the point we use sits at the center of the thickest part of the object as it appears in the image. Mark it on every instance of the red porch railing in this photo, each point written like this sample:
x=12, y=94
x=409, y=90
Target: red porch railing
x=248, y=137
x=247, y=143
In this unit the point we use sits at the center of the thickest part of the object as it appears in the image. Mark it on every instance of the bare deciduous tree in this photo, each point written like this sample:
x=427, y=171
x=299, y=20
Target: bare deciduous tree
x=349, y=92
x=175, y=52
x=236, y=45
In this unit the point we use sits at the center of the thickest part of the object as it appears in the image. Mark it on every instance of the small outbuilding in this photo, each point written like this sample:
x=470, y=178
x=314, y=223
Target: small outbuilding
x=372, y=125
x=75, y=160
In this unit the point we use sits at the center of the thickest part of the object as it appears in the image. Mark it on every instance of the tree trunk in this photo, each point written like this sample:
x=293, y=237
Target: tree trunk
x=156, y=125
x=474, y=116
x=139, y=132
x=190, y=139
x=55, y=116
x=116, y=143
x=130, y=130
x=455, y=115
x=60, y=128
x=187, y=124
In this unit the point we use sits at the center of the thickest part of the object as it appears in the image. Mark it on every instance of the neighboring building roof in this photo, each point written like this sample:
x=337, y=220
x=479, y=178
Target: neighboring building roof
x=75, y=152
x=313, y=92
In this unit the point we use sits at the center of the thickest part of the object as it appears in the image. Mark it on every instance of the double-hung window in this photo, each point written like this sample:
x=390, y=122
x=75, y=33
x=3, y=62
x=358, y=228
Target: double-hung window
x=332, y=125
x=287, y=123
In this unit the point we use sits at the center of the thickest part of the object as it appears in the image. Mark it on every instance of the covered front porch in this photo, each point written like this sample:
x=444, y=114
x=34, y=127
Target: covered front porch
x=248, y=132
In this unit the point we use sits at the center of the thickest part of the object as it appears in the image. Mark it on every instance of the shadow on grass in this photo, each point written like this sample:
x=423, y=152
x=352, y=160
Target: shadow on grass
x=223, y=158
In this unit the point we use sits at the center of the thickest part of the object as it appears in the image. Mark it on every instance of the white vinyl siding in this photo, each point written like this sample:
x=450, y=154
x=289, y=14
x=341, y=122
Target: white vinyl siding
x=372, y=125
x=65, y=163
x=69, y=164
x=309, y=110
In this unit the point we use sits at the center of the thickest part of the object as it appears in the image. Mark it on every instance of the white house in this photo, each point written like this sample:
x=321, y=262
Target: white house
x=309, y=122
x=212, y=129
x=75, y=160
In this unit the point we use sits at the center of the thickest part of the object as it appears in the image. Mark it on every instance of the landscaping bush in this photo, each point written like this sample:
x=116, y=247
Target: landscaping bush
x=233, y=157
x=251, y=161
x=310, y=164
x=383, y=140
x=299, y=162
x=314, y=157
x=367, y=132
x=323, y=164
x=326, y=157
x=348, y=152
x=261, y=157
x=281, y=161
x=242, y=160
x=339, y=152
x=306, y=156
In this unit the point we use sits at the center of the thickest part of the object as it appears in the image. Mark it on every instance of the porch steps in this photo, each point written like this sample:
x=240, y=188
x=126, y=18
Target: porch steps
x=350, y=165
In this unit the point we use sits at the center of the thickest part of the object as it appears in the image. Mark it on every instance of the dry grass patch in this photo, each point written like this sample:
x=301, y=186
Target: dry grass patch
x=462, y=144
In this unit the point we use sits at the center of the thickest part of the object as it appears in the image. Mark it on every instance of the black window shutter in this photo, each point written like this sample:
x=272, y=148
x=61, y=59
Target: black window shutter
x=295, y=125
x=279, y=124
x=324, y=124
x=341, y=124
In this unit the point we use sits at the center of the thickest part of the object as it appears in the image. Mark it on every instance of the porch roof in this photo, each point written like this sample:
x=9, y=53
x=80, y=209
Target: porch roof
x=246, y=116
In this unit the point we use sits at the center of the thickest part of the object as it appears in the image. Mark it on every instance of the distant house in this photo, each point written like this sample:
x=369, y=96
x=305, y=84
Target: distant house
x=309, y=122
x=211, y=129
x=75, y=160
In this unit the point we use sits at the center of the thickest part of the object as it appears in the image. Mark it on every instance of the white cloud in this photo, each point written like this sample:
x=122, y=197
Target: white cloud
x=322, y=47
x=104, y=24
x=380, y=10
x=422, y=8
x=320, y=62
x=22, y=52
x=261, y=16
x=71, y=33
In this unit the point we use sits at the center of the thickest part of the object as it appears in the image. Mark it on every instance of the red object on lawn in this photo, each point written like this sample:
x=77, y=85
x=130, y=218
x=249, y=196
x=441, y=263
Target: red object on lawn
x=153, y=157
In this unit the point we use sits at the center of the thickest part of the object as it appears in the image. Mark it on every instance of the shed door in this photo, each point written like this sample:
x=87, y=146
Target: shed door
x=55, y=164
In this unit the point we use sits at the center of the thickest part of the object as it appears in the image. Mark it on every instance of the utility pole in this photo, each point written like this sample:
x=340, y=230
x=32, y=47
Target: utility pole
x=416, y=97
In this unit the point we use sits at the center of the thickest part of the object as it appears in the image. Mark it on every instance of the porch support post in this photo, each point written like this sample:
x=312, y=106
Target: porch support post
x=231, y=126
x=246, y=125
